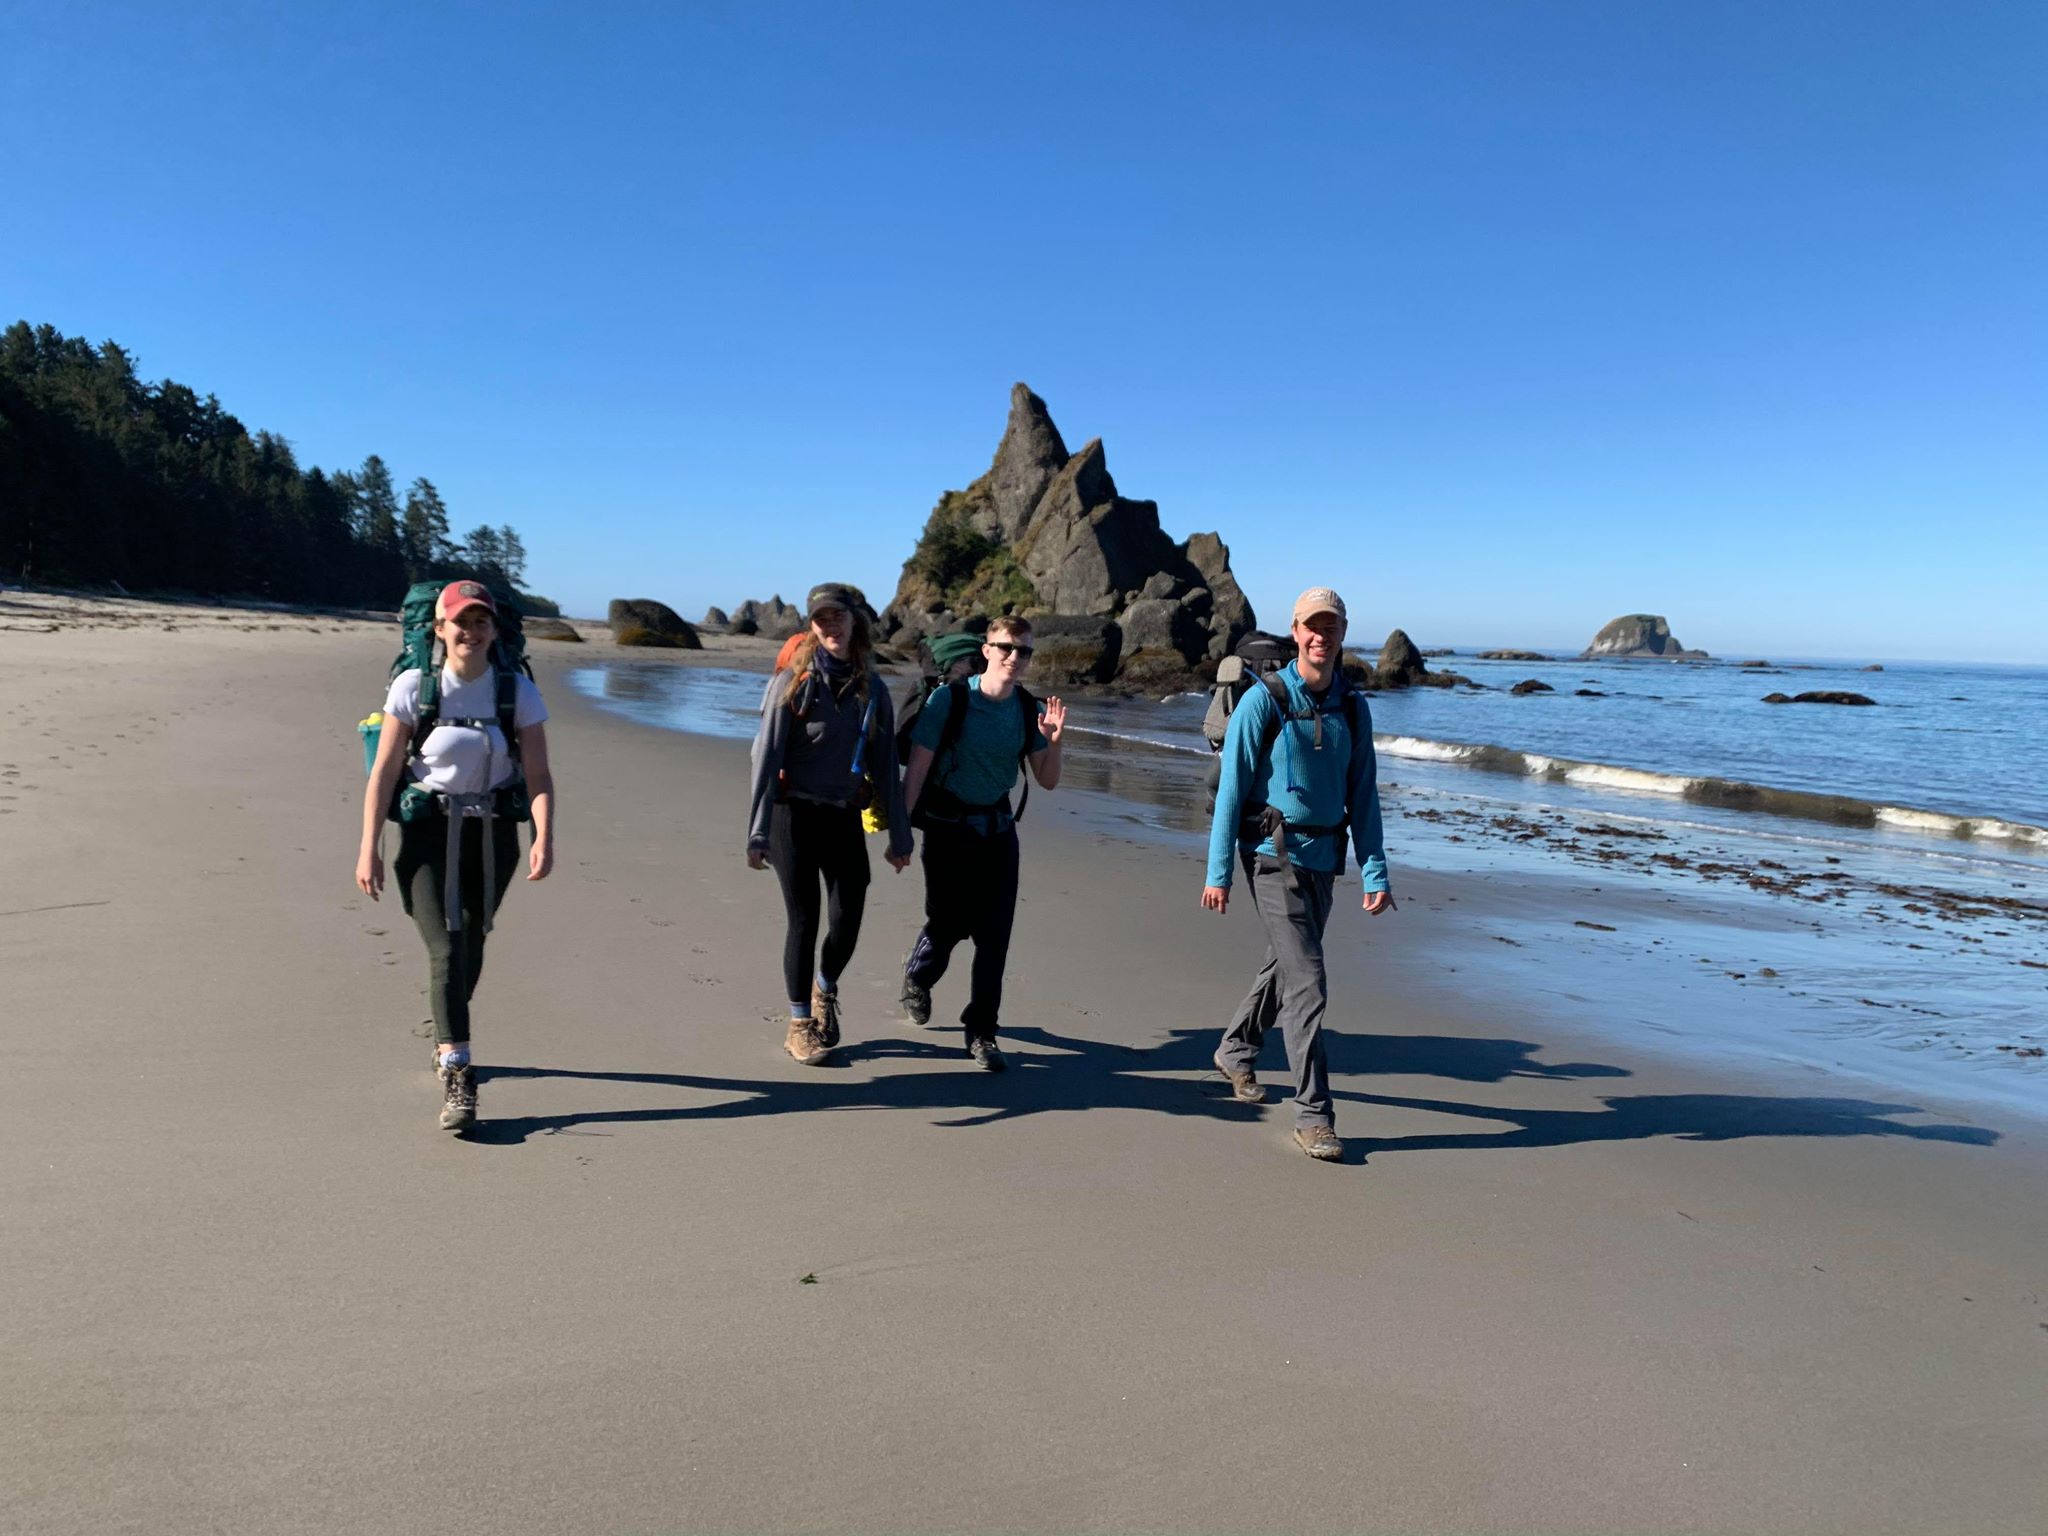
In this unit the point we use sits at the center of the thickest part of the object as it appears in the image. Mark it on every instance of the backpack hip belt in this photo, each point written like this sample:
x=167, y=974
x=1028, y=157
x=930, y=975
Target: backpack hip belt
x=1264, y=822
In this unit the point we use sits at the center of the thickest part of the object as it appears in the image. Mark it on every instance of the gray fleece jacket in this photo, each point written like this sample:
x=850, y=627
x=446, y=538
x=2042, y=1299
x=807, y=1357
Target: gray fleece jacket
x=812, y=757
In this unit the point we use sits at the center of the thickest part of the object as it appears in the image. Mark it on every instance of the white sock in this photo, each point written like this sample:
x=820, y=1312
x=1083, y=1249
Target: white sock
x=455, y=1055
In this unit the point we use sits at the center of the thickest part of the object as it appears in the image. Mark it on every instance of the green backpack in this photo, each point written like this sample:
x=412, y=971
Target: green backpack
x=418, y=648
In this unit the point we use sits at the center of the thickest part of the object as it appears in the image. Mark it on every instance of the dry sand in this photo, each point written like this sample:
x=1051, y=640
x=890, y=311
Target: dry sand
x=251, y=1287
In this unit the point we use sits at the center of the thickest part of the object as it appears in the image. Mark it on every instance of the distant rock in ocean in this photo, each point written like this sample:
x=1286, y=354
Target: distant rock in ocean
x=1818, y=696
x=1640, y=635
x=1401, y=666
x=1511, y=656
x=1875, y=666
x=1531, y=685
x=1046, y=533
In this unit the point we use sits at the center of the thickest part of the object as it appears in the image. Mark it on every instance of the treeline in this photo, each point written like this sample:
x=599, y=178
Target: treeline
x=107, y=478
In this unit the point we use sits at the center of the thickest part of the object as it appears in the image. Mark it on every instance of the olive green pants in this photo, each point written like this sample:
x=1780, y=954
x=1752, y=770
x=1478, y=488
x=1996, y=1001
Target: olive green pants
x=455, y=961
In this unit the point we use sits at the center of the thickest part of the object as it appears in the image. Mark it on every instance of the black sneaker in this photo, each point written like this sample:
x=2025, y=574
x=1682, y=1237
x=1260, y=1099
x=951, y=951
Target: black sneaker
x=986, y=1056
x=917, y=1003
x=458, y=1097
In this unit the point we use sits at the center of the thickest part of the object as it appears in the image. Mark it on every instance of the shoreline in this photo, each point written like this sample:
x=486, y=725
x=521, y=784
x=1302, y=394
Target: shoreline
x=1809, y=952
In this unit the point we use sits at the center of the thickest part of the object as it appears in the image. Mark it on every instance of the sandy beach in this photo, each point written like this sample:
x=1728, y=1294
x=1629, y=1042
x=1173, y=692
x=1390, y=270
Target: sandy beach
x=1562, y=1282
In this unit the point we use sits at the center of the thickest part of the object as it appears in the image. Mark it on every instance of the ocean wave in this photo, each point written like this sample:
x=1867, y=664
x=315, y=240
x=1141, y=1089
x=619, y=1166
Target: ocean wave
x=1725, y=794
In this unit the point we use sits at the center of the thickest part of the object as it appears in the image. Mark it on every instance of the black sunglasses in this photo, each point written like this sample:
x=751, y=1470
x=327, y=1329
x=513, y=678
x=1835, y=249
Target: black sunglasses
x=1011, y=648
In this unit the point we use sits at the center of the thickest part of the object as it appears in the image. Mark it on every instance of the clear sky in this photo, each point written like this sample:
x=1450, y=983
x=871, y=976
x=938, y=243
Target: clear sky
x=1504, y=318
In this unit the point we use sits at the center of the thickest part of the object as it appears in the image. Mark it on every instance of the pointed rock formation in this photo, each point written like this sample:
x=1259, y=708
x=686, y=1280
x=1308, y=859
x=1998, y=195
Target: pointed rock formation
x=1045, y=532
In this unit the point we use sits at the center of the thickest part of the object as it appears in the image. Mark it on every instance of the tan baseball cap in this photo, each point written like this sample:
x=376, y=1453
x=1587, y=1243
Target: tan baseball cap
x=1319, y=600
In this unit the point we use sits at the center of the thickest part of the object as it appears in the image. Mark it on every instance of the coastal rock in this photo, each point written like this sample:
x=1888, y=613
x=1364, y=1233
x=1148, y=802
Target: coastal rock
x=643, y=621
x=1640, y=635
x=1442, y=650
x=1045, y=531
x=743, y=626
x=1819, y=696
x=1400, y=664
x=1752, y=666
x=1588, y=693
x=1531, y=685
x=1510, y=656
x=714, y=618
x=1075, y=648
x=1875, y=666
x=552, y=629
x=775, y=618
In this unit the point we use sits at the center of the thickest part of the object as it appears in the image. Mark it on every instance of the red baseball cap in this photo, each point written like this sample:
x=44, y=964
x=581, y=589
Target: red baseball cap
x=458, y=595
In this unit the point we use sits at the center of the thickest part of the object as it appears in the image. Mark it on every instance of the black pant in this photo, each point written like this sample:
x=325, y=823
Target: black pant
x=809, y=842
x=455, y=961
x=970, y=892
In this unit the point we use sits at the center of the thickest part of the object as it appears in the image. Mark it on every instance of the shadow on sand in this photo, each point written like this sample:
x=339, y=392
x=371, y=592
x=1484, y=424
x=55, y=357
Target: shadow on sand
x=1091, y=1074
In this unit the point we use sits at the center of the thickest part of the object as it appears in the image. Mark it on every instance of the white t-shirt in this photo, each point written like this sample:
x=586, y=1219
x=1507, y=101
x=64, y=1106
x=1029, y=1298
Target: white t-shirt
x=453, y=758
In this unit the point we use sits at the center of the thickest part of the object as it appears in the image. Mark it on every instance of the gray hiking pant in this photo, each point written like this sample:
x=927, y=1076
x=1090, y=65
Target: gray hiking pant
x=1291, y=987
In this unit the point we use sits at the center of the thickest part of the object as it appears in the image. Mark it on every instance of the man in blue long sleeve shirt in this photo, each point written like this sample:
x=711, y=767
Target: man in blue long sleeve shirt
x=1283, y=812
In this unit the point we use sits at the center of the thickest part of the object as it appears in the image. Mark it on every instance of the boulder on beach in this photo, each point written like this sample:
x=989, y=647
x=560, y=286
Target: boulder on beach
x=715, y=618
x=1640, y=635
x=1511, y=656
x=1074, y=648
x=1818, y=696
x=1531, y=685
x=551, y=629
x=643, y=621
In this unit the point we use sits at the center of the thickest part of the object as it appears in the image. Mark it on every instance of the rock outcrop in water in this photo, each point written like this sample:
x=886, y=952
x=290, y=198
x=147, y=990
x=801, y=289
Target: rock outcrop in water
x=1401, y=666
x=1046, y=533
x=1818, y=696
x=1640, y=635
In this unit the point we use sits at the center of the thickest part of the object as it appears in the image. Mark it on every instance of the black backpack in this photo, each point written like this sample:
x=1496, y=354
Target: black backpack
x=1261, y=821
x=952, y=806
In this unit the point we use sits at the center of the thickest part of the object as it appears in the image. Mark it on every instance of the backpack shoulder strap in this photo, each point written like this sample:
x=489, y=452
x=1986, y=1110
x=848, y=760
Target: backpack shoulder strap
x=1028, y=707
x=956, y=716
x=508, y=710
x=429, y=706
x=1283, y=711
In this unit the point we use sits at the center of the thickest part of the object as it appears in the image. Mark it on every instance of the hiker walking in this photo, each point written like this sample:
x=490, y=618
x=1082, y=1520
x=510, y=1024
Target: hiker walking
x=825, y=752
x=1297, y=770
x=461, y=760
x=969, y=745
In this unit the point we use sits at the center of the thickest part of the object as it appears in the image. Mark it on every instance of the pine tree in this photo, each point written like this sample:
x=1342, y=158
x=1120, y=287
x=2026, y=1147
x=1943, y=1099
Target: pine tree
x=380, y=506
x=512, y=556
x=424, y=531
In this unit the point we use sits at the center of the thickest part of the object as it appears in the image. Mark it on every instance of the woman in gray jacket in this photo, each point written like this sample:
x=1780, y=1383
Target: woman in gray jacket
x=825, y=751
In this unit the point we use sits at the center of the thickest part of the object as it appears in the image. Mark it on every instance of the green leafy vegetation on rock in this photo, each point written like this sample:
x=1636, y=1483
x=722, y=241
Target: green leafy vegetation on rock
x=971, y=571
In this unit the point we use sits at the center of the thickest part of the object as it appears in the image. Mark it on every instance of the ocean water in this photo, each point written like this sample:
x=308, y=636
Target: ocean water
x=1827, y=885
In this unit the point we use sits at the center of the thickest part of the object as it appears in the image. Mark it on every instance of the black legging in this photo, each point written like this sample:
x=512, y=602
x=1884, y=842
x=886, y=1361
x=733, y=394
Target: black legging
x=808, y=842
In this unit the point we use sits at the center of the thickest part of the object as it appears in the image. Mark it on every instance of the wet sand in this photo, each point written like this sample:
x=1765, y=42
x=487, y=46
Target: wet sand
x=1561, y=1283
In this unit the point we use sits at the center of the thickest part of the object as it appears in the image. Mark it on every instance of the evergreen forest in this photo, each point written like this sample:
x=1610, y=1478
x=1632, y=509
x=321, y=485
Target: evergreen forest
x=106, y=478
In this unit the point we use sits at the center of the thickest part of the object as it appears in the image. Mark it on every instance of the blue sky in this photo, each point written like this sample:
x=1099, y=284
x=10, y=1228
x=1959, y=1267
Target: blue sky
x=1503, y=318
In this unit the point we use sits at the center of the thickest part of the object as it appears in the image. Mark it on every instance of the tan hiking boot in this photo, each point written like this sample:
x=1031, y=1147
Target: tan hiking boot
x=803, y=1042
x=1319, y=1142
x=825, y=1014
x=458, y=1097
x=1244, y=1085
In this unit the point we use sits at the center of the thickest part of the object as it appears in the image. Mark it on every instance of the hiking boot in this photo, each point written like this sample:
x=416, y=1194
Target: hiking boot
x=917, y=1003
x=825, y=1013
x=1319, y=1142
x=1244, y=1086
x=458, y=1097
x=803, y=1042
x=986, y=1056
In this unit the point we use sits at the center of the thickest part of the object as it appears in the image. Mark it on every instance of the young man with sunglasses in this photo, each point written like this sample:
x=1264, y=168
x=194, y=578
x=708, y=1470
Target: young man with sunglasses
x=1294, y=778
x=958, y=789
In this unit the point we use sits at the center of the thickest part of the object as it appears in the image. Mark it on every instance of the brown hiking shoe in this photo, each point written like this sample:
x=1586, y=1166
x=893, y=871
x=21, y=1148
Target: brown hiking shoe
x=825, y=1014
x=1244, y=1086
x=803, y=1042
x=1319, y=1142
x=458, y=1097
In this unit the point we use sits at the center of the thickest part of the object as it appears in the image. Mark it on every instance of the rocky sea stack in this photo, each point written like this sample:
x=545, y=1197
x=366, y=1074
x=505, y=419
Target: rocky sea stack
x=1640, y=634
x=1046, y=534
x=643, y=621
